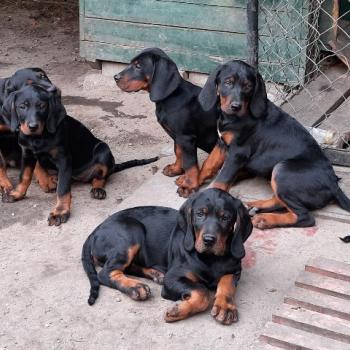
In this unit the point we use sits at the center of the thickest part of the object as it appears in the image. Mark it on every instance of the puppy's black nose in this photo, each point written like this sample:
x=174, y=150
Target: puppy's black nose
x=52, y=89
x=117, y=77
x=235, y=106
x=33, y=126
x=209, y=240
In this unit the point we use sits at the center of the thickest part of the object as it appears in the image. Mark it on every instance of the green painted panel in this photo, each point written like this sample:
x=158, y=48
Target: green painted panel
x=170, y=14
x=168, y=38
x=243, y=3
x=194, y=41
x=184, y=61
x=227, y=3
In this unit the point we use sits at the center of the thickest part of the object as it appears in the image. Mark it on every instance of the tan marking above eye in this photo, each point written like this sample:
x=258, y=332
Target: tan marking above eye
x=232, y=79
x=205, y=210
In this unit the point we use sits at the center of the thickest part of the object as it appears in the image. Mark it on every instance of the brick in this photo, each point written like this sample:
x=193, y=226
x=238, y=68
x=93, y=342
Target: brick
x=313, y=322
x=330, y=268
x=318, y=302
x=324, y=284
x=291, y=339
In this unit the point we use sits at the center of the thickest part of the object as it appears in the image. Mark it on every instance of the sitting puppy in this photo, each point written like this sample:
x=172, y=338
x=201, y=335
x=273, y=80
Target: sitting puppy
x=179, y=113
x=264, y=140
x=57, y=141
x=199, y=247
x=9, y=148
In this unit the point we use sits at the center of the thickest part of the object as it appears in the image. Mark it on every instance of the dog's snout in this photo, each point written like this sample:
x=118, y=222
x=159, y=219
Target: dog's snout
x=209, y=240
x=33, y=126
x=236, y=106
x=117, y=77
x=52, y=89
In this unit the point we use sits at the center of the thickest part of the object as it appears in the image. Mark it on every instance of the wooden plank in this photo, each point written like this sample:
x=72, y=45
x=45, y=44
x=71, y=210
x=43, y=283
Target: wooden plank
x=243, y=3
x=227, y=3
x=81, y=19
x=214, y=43
x=338, y=120
x=323, y=284
x=338, y=156
x=168, y=38
x=330, y=268
x=183, y=15
x=341, y=45
x=184, y=60
x=318, y=302
x=187, y=15
x=328, y=14
x=321, y=97
x=292, y=339
x=313, y=322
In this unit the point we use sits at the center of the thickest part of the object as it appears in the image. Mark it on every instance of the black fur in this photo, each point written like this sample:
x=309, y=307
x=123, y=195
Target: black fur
x=196, y=248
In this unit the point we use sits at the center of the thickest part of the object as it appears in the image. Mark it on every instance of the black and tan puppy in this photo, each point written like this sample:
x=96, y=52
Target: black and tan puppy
x=58, y=142
x=179, y=113
x=263, y=140
x=9, y=148
x=190, y=251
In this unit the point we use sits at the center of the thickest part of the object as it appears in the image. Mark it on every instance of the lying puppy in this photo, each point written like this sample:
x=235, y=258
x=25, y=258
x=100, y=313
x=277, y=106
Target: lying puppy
x=57, y=141
x=265, y=141
x=9, y=148
x=197, y=248
x=179, y=113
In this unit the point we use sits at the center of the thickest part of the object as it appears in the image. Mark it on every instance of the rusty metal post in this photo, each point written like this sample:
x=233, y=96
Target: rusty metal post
x=252, y=32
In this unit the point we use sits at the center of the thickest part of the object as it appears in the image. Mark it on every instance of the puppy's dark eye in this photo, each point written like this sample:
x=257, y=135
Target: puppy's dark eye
x=137, y=65
x=43, y=76
x=228, y=82
x=224, y=218
x=22, y=106
x=42, y=106
x=248, y=86
x=200, y=214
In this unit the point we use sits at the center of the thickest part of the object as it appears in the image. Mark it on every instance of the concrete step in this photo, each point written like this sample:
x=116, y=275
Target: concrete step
x=330, y=268
x=324, y=284
x=313, y=322
x=319, y=302
x=294, y=339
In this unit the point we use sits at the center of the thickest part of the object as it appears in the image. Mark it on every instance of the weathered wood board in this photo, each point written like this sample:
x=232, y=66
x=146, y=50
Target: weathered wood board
x=196, y=34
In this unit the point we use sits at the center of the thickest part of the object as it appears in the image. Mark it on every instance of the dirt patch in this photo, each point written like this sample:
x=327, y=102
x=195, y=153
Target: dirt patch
x=43, y=289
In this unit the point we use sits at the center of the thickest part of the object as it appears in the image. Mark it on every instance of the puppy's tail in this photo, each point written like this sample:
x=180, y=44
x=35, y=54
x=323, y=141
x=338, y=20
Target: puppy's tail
x=91, y=272
x=132, y=163
x=341, y=198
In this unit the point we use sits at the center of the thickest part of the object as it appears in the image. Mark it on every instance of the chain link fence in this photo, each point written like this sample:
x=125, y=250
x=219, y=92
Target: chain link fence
x=304, y=56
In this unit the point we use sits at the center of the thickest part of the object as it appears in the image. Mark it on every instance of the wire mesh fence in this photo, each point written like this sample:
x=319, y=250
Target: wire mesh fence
x=304, y=57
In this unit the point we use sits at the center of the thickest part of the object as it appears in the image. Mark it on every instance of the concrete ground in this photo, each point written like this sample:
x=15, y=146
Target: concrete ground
x=44, y=289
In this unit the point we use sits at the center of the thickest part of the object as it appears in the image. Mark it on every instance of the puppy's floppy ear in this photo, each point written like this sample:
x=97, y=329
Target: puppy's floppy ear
x=184, y=220
x=57, y=113
x=258, y=102
x=243, y=229
x=9, y=87
x=9, y=114
x=209, y=94
x=165, y=78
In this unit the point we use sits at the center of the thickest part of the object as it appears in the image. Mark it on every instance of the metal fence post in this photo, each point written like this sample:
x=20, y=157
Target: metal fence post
x=252, y=32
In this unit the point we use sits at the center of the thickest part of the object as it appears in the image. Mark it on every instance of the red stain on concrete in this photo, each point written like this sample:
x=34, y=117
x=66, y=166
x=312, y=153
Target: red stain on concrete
x=309, y=231
x=264, y=242
x=250, y=257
